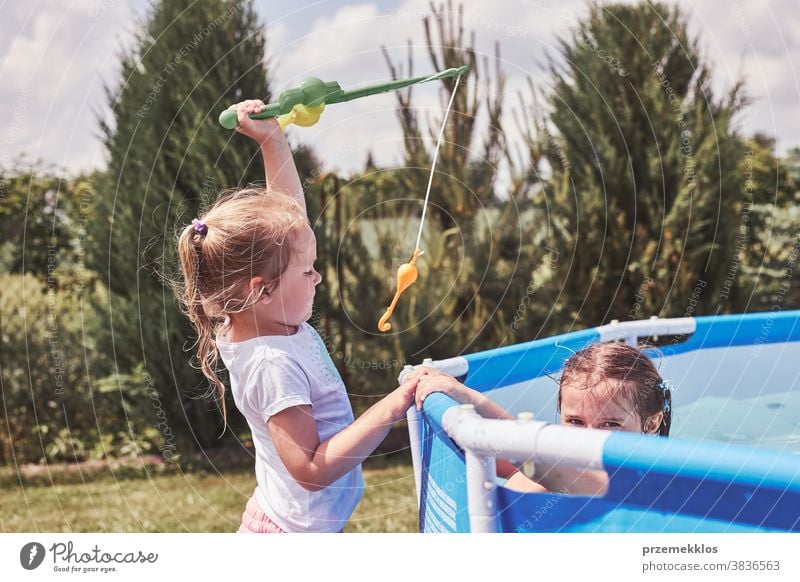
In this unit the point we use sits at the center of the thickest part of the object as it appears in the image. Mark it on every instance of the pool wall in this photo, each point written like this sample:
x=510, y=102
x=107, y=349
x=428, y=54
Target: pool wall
x=656, y=484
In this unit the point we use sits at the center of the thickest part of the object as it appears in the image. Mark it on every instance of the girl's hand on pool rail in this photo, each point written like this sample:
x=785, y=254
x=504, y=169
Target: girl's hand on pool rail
x=432, y=380
x=400, y=400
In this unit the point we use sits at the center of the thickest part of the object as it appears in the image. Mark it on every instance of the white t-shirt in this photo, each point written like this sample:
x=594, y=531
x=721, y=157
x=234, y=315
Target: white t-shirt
x=269, y=374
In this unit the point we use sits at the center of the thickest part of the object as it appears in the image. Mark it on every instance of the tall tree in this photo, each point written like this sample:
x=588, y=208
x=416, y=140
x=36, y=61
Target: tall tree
x=470, y=150
x=642, y=186
x=168, y=158
x=482, y=246
x=767, y=241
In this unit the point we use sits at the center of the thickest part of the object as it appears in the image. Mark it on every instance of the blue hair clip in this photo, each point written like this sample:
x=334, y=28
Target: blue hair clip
x=199, y=226
x=665, y=385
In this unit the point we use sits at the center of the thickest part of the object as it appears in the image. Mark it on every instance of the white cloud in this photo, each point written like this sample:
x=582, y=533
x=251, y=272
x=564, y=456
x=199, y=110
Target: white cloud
x=55, y=55
x=51, y=74
x=759, y=42
x=346, y=47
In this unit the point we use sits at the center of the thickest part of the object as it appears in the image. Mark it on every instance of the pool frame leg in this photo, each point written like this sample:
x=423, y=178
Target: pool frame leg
x=412, y=416
x=481, y=492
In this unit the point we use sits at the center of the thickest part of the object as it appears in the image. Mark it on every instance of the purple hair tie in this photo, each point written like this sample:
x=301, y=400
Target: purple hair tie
x=199, y=226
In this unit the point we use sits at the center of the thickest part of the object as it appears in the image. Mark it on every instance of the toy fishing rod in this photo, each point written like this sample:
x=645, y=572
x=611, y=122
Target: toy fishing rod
x=303, y=105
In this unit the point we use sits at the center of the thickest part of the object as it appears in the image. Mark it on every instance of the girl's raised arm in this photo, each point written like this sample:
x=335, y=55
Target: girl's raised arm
x=279, y=166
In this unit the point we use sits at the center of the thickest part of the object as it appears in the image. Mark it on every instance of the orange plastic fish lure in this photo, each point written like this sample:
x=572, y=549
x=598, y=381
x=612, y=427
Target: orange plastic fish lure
x=406, y=275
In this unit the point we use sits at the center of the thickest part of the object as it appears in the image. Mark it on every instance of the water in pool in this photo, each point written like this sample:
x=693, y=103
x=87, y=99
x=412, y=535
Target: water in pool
x=770, y=421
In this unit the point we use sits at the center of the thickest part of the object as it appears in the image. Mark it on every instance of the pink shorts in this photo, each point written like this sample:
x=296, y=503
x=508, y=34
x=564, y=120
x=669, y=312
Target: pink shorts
x=254, y=520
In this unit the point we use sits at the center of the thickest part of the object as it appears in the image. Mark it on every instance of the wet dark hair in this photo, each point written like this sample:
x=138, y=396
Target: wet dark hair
x=640, y=383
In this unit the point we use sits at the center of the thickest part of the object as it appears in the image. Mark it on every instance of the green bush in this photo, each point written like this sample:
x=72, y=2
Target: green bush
x=56, y=344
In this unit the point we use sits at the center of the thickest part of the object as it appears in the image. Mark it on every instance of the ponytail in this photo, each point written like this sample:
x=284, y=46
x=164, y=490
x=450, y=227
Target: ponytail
x=191, y=257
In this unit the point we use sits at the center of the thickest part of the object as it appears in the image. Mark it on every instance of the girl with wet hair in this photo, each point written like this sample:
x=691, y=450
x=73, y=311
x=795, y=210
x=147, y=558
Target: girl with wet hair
x=607, y=386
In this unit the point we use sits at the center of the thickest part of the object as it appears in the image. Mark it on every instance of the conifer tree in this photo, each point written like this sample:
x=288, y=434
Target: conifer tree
x=168, y=159
x=644, y=191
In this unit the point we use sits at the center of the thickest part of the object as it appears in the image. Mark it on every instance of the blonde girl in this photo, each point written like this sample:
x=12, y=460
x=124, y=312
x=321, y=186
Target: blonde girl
x=248, y=286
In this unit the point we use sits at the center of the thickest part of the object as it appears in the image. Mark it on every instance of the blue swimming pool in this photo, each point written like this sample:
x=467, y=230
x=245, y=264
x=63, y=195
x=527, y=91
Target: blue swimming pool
x=732, y=463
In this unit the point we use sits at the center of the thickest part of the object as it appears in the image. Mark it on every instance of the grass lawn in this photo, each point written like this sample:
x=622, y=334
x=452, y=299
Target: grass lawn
x=188, y=502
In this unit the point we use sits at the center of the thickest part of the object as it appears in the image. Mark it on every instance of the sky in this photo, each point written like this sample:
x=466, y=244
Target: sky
x=56, y=56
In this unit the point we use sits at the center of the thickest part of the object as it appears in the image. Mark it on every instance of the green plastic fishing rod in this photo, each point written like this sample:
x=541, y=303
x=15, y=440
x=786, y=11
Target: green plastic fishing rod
x=314, y=92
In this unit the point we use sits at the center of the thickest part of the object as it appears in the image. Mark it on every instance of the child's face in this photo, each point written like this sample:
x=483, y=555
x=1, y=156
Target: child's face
x=293, y=298
x=598, y=407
